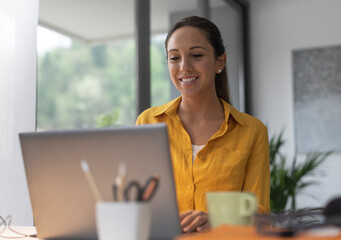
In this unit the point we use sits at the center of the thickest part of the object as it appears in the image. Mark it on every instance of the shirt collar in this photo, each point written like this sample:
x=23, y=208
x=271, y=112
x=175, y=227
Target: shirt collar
x=230, y=110
x=171, y=110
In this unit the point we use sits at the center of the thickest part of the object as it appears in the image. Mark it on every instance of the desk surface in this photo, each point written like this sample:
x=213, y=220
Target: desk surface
x=222, y=232
x=250, y=233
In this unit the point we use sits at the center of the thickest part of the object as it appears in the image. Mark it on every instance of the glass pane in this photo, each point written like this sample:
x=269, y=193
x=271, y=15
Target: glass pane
x=160, y=81
x=86, y=77
x=78, y=83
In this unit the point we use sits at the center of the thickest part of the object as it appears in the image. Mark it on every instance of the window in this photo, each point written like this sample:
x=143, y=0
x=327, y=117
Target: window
x=84, y=86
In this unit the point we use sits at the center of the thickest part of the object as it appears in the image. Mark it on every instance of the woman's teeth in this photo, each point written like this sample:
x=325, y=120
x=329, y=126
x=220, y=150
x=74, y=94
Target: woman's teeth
x=188, y=79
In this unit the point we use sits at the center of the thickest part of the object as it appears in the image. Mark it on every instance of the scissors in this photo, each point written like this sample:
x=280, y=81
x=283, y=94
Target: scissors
x=136, y=192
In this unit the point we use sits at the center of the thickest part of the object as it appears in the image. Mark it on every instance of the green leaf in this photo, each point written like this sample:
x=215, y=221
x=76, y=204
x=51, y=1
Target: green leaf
x=287, y=182
x=107, y=119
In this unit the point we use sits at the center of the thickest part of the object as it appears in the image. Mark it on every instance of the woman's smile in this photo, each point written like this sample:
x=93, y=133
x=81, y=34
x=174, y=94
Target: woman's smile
x=188, y=80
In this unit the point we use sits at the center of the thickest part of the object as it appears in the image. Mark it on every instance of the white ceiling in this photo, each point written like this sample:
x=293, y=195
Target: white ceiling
x=98, y=21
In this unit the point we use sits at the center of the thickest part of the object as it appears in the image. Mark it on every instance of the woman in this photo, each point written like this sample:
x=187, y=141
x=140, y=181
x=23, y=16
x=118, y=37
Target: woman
x=214, y=147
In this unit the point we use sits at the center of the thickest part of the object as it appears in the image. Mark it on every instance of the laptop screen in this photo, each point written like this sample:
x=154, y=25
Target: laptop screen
x=62, y=202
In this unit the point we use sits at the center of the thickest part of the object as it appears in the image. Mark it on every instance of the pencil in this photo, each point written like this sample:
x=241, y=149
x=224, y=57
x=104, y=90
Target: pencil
x=120, y=181
x=95, y=190
x=150, y=188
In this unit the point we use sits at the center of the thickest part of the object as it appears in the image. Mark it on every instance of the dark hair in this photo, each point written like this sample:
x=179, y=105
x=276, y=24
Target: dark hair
x=213, y=36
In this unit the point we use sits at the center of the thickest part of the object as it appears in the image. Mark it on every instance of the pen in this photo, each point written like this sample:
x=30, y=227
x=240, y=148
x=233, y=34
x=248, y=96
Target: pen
x=114, y=190
x=120, y=182
x=86, y=169
x=150, y=188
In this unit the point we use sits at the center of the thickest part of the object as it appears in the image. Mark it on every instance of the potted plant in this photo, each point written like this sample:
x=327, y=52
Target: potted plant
x=288, y=181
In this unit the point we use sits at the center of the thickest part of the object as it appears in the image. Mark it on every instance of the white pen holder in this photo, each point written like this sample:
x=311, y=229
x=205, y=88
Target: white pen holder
x=123, y=220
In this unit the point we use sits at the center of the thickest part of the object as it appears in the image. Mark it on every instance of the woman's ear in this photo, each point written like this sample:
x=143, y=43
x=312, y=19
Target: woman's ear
x=221, y=62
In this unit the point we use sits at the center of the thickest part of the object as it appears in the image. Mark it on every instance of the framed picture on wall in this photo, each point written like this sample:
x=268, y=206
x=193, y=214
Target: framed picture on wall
x=317, y=99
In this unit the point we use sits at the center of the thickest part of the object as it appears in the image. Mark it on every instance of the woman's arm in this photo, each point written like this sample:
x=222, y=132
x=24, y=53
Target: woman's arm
x=257, y=175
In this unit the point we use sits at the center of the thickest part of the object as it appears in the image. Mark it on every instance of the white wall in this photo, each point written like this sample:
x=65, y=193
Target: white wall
x=18, y=24
x=277, y=28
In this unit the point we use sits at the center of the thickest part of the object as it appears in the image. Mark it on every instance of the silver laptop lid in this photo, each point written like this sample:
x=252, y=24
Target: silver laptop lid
x=62, y=202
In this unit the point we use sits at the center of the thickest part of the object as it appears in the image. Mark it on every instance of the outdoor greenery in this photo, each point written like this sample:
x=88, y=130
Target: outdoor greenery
x=289, y=181
x=78, y=85
x=107, y=119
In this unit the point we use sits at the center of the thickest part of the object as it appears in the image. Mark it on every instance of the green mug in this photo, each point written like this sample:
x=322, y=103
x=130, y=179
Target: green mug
x=234, y=208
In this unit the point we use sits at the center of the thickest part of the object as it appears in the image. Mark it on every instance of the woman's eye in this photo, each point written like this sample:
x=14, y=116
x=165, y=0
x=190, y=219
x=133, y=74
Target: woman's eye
x=197, y=55
x=173, y=58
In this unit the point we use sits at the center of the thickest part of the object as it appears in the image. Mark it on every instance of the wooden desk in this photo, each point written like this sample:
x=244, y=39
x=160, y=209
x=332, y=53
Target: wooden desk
x=249, y=233
x=223, y=232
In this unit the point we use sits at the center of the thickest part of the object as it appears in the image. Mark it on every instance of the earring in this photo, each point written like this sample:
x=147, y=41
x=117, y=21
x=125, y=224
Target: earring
x=219, y=70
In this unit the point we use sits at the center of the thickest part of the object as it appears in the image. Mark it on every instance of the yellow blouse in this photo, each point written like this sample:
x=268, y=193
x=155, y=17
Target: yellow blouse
x=236, y=157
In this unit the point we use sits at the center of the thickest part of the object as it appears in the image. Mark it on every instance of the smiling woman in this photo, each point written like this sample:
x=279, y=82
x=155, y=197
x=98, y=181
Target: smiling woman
x=233, y=150
x=192, y=58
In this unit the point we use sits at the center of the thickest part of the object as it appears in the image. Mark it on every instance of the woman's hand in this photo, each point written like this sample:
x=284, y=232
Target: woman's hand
x=194, y=221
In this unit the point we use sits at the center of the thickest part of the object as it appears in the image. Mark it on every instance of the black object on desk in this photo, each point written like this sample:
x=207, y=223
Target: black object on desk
x=290, y=223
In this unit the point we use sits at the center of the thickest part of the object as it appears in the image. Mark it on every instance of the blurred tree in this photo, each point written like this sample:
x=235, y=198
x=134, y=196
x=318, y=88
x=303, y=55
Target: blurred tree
x=107, y=119
x=78, y=84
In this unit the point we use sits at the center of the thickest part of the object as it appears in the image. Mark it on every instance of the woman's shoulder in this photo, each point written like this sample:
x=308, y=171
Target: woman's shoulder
x=246, y=119
x=250, y=125
x=150, y=112
x=251, y=120
x=149, y=115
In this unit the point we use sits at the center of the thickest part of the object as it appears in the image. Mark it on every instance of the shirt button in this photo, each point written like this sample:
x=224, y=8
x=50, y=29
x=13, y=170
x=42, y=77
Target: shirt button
x=189, y=187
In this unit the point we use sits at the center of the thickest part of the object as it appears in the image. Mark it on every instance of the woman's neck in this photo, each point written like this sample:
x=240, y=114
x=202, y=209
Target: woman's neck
x=205, y=107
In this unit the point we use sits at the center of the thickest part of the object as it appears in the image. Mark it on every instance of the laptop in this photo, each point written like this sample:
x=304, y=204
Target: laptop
x=62, y=202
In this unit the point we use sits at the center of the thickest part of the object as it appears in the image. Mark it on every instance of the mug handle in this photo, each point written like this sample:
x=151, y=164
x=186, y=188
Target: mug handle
x=248, y=204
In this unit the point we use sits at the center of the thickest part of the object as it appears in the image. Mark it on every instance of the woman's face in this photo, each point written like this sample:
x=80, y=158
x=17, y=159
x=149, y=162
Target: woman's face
x=191, y=62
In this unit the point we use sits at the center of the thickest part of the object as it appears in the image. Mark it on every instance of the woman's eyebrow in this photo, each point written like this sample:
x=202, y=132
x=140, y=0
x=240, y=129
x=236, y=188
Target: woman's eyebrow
x=194, y=47
x=191, y=48
x=173, y=50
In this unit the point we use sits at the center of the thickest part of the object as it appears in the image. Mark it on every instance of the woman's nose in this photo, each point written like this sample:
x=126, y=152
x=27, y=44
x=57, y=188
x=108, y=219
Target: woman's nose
x=185, y=65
